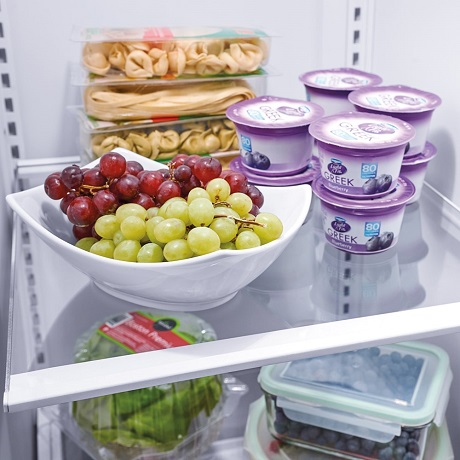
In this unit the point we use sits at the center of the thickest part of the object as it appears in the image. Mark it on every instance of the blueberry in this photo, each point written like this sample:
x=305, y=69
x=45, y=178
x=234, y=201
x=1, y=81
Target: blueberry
x=370, y=187
x=399, y=452
x=280, y=427
x=331, y=436
x=367, y=446
x=261, y=161
x=386, y=453
x=413, y=446
x=248, y=158
x=386, y=239
x=409, y=456
x=353, y=445
x=373, y=244
x=310, y=433
x=383, y=183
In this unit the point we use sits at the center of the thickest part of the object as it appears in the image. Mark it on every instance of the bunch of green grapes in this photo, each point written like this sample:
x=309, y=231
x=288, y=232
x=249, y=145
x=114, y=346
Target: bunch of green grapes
x=209, y=219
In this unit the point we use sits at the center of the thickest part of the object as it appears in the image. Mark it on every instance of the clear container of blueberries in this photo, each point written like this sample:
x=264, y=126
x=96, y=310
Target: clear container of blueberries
x=377, y=403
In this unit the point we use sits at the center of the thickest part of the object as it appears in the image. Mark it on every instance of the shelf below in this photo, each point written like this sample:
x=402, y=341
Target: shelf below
x=313, y=300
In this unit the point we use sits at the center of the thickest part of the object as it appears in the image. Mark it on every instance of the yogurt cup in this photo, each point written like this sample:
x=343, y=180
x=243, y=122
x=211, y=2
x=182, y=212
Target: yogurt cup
x=363, y=226
x=273, y=134
x=361, y=153
x=330, y=88
x=403, y=102
x=415, y=167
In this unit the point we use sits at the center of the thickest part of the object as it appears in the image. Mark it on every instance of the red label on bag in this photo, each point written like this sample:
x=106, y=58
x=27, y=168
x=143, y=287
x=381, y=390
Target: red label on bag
x=158, y=32
x=138, y=333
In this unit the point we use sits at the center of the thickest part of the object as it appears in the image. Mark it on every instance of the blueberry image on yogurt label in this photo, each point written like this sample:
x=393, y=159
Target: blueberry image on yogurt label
x=261, y=161
x=383, y=183
x=248, y=158
x=376, y=128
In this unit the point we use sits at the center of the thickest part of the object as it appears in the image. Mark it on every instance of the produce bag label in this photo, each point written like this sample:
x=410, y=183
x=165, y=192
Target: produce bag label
x=136, y=332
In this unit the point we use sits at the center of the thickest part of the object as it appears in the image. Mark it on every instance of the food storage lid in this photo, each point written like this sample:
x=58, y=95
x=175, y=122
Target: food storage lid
x=394, y=99
x=368, y=393
x=427, y=154
x=399, y=196
x=271, y=112
x=153, y=420
x=341, y=79
x=359, y=130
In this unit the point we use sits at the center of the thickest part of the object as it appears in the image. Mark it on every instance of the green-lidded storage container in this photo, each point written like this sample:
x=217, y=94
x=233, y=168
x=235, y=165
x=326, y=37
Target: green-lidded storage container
x=375, y=403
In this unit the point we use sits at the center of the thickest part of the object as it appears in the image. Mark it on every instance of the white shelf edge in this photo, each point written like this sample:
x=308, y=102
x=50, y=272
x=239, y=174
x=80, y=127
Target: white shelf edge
x=96, y=378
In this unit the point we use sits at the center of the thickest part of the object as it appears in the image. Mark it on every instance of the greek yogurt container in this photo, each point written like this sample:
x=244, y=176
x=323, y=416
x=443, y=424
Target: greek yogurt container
x=374, y=403
x=360, y=153
x=273, y=134
x=403, y=102
x=330, y=87
x=415, y=168
x=363, y=226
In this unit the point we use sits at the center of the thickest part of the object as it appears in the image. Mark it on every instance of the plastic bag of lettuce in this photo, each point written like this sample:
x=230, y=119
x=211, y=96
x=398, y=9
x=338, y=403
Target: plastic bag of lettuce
x=151, y=422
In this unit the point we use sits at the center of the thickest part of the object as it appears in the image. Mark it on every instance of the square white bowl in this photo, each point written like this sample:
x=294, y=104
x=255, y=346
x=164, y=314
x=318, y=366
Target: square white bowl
x=193, y=284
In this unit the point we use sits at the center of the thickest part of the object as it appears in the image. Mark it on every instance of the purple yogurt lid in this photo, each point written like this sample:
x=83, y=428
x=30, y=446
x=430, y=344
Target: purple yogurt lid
x=427, y=154
x=341, y=79
x=394, y=99
x=400, y=195
x=274, y=112
x=361, y=130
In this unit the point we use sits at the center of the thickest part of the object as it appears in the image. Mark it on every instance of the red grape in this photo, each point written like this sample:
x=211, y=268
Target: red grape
x=82, y=211
x=191, y=160
x=127, y=187
x=207, y=168
x=105, y=201
x=82, y=231
x=182, y=173
x=72, y=177
x=144, y=200
x=134, y=167
x=189, y=185
x=94, y=178
x=238, y=182
x=149, y=181
x=54, y=187
x=64, y=204
x=165, y=173
x=112, y=165
x=178, y=160
x=168, y=189
x=256, y=195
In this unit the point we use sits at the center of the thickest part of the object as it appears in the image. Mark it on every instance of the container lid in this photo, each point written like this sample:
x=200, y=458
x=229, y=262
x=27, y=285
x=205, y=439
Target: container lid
x=377, y=389
x=400, y=195
x=341, y=79
x=394, y=99
x=359, y=130
x=274, y=112
x=427, y=154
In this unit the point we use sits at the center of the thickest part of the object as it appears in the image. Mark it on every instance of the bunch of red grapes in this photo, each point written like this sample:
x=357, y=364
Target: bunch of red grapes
x=87, y=193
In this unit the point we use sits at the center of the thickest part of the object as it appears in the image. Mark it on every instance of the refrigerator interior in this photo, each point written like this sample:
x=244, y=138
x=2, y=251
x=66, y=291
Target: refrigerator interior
x=387, y=38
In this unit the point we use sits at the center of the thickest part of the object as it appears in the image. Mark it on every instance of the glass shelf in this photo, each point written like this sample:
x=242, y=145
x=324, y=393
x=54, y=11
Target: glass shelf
x=315, y=299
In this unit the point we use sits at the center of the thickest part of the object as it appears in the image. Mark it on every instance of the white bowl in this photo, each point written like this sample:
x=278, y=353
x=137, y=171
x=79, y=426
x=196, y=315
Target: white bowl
x=189, y=285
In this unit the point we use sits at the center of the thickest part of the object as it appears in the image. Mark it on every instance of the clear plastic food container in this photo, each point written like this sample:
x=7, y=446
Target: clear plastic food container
x=260, y=445
x=121, y=54
x=154, y=101
x=171, y=421
x=160, y=140
x=375, y=403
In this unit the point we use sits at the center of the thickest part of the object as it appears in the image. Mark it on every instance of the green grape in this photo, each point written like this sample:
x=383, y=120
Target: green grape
x=177, y=250
x=152, y=212
x=86, y=243
x=224, y=211
x=106, y=226
x=104, y=248
x=230, y=245
x=167, y=203
x=240, y=202
x=225, y=227
x=179, y=210
x=201, y=212
x=133, y=228
x=218, y=189
x=197, y=192
x=272, y=229
x=118, y=237
x=247, y=240
x=150, y=227
x=169, y=229
x=203, y=240
x=150, y=253
x=130, y=209
x=127, y=250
